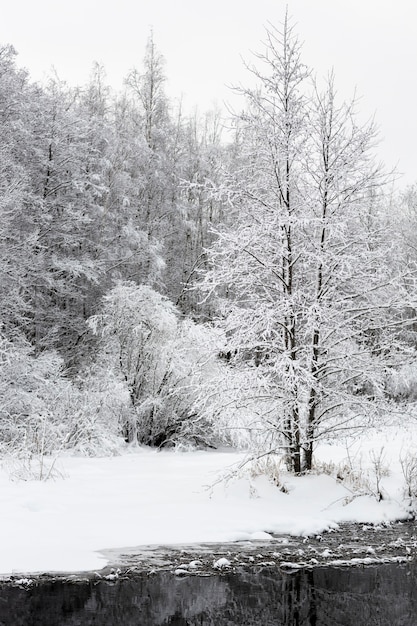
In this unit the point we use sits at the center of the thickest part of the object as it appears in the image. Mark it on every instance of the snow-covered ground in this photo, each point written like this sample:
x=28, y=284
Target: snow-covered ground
x=148, y=497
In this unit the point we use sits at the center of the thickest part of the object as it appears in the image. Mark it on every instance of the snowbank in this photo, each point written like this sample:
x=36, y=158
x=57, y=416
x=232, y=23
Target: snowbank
x=148, y=497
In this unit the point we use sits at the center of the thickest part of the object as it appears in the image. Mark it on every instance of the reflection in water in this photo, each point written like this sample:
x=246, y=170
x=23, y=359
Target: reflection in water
x=383, y=595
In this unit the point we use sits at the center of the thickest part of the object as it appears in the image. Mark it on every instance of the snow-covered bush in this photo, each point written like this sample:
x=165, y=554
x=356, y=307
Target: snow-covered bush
x=402, y=383
x=30, y=388
x=271, y=466
x=162, y=360
x=408, y=462
x=359, y=476
x=43, y=413
x=94, y=411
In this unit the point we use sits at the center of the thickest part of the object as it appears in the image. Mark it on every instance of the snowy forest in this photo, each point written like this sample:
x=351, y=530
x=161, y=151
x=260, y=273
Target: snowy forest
x=230, y=278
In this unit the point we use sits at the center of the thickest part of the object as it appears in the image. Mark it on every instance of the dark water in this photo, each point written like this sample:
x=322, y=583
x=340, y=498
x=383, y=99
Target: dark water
x=381, y=595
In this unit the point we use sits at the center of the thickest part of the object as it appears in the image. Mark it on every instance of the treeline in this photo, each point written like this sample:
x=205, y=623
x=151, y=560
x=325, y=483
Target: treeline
x=94, y=190
x=161, y=284
x=91, y=192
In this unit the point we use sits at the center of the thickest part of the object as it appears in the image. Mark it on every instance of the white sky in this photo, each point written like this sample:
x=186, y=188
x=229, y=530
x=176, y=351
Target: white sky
x=371, y=44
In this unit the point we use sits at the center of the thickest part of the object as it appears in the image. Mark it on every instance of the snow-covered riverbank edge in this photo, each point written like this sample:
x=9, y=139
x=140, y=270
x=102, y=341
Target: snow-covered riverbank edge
x=352, y=545
x=148, y=498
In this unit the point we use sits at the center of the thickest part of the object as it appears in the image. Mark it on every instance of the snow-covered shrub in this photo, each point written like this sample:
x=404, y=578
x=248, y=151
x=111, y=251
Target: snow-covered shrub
x=94, y=412
x=162, y=361
x=43, y=413
x=402, y=383
x=269, y=465
x=358, y=477
x=379, y=469
x=30, y=468
x=408, y=463
x=30, y=388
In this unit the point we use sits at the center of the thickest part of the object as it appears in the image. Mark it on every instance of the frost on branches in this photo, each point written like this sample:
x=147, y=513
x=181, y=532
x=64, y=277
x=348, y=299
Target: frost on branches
x=43, y=413
x=163, y=361
x=304, y=277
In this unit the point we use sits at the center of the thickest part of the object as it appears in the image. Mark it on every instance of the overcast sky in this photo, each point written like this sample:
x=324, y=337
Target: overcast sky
x=371, y=44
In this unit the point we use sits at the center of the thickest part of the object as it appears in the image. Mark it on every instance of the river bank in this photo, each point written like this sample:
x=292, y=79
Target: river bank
x=351, y=545
x=90, y=508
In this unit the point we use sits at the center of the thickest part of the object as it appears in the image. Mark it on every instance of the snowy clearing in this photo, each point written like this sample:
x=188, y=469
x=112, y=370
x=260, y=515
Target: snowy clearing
x=148, y=497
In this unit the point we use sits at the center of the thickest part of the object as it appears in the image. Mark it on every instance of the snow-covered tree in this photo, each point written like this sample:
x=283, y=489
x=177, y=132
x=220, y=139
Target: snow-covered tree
x=161, y=359
x=203, y=156
x=305, y=290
